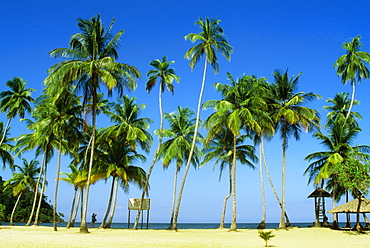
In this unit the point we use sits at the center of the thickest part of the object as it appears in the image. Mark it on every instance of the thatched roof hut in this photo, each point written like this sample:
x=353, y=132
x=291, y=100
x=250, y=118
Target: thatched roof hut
x=351, y=207
x=319, y=192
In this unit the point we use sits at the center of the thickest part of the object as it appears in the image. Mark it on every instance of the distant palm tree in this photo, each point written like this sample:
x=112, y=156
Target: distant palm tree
x=177, y=146
x=15, y=101
x=129, y=129
x=261, y=90
x=22, y=181
x=235, y=112
x=101, y=107
x=290, y=117
x=63, y=120
x=91, y=61
x=73, y=179
x=212, y=40
x=221, y=149
x=43, y=141
x=352, y=66
x=125, y=114
x=118, y=162
x=339, y=145
x=341, y=105
x=165, y=75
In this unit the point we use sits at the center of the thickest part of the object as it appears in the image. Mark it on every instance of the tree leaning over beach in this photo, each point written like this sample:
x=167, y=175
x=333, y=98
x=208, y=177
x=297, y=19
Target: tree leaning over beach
x=165, y=75
x=211, y=40
x=290, y=117
x=90, y=62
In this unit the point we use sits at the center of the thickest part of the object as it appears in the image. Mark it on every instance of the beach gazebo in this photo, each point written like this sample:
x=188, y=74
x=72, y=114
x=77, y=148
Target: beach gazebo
x=351, y=207
x=320, y=216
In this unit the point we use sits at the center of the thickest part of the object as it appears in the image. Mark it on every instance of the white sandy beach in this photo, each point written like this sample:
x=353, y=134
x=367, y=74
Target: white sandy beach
x=296, y=237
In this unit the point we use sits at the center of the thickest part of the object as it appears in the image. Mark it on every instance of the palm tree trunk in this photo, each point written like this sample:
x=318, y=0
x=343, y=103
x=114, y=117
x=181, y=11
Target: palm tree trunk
x=335, y=221
x=348, y=217
x=109, y=204
x=36, y=223
x=197, y=120
x=233, y=189
x=5, y=131
x=15, y=205
x=352, y=101
x=358, y=226
x=83, y=227
x=56, y=187
x=222, y=223
x=36, y=191
x=154, y=159
x=113, y=205
x=273, y=188
x=174, y=196
x=76, y=208
x=72, y=209
x=283, y=166
x=262, y=224
x=366, y=220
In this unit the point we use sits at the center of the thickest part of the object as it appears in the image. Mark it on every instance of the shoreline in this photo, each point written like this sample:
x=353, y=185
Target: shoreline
x=41, y=236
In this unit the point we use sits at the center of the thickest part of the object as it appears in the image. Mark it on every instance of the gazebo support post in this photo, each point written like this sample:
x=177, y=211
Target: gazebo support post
x=317, y=220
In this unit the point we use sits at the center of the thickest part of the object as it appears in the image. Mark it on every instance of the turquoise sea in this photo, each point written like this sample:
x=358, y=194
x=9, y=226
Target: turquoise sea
x=179, y=226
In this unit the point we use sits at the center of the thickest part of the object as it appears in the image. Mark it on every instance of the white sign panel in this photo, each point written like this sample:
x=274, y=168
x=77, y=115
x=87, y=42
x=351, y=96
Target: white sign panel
x=135, y=204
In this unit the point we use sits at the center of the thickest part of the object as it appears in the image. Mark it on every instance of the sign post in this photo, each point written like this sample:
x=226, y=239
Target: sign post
x=134, y=204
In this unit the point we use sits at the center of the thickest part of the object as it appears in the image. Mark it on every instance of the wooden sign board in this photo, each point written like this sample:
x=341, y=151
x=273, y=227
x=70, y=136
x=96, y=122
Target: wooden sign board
x=134, y=204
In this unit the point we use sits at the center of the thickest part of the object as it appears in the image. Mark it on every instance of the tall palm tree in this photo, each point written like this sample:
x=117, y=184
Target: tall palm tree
x=21, y=181
x=235, y=112
x=261, y=89
x=221, y=149
x=15, y=101
x=338, y=142
x=339, y=148
x=63, y=119
x=211, y=40
x=91, y=61
x=166, y=76
x=352, y=66
x=129, y=128
x=43, y=140
x=177, y=146
x=290, y=118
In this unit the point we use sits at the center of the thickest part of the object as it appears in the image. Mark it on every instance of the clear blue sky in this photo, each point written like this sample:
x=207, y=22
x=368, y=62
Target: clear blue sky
x=304, y=36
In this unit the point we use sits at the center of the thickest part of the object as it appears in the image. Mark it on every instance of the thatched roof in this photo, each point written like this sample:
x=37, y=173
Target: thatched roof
x=351, y=207
x=319, y=191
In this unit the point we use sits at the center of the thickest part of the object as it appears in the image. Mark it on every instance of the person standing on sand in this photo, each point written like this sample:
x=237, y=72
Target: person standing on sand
x=93, y=219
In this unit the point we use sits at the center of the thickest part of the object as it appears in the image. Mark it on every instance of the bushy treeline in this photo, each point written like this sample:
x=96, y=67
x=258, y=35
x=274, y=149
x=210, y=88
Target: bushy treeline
x=23, y=209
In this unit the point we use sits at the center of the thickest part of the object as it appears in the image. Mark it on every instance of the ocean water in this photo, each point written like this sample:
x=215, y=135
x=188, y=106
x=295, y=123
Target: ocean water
x=179, y=225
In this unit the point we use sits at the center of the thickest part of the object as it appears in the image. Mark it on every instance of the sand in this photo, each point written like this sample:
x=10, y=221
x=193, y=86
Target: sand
x=296, y=237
